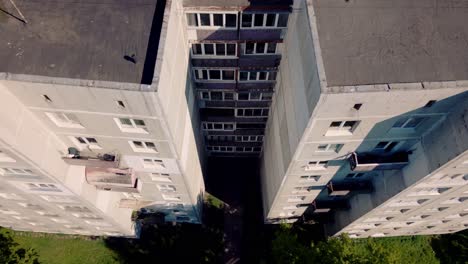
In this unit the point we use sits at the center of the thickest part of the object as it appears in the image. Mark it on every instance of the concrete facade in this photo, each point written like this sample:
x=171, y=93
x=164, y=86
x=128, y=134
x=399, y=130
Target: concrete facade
x=151, y=129
x=406, y=134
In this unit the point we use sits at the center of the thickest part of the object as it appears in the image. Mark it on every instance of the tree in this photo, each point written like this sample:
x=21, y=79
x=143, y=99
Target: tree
x=452, y=248
x=11, y=253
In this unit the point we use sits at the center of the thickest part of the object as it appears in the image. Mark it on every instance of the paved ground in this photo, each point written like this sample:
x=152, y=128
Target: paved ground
x=236, y=181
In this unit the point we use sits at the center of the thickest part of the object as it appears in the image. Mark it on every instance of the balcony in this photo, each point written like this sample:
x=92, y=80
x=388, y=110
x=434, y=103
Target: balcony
x=370, y=162
x=112, y=179
x=325, y=206
x=75, y=157
x=345, y=188
x=134, y=203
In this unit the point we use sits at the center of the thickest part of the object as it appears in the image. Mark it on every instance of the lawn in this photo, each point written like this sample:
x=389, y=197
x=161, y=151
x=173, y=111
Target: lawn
x=66, y=249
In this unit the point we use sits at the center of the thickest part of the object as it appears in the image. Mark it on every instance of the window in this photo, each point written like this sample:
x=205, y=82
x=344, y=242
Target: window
x=212, y=20
x=214, y=74
x=60, y=221
x=249, y=138
x=143, y=146
x=264, y=20
x=257, y=76
x=408, y=122
x=301, y=189
x=355, y=175
x=58, y=199
x=12, y=196
x=220, y=148
x=310, y=178
x=214, y=49
x=260, y=48
x=248, y=149
x=31, y=206
x=254, y=96
x=5, y=158
x=74, y=208
x=217, y=126
x=160, y=177
x=386, y=146
x=329, y=148
x=166, y=188
x=250, y=126
x=216, y=96
x=129, y=125
x=153, y=164
x=400, y=203
x=316, y=165
x=252, y=112
x=296, y=199
x=341, y=128
x=224, y=138
x=43, y=187
x=85, y=142
x=48, y=214
x=455, y=200
x=171, y=197
x=16, y=172
x=86, y=216
x=428, y=191
x=64, y=119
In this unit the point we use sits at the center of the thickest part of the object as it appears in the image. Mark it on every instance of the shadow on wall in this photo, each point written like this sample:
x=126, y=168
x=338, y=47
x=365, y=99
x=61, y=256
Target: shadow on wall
x=415, y=121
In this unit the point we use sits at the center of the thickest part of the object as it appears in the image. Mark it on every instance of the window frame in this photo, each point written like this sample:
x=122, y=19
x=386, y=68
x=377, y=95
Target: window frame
x=407, y=120
x=341, y=130
x=145, y=148
x=329, y=148
x=205, y=126
x=264, y=22
x=214, y=55
x=133, y=127
x=257, y=79
x=211, y=14
x=87, y=145
x=71, y=121
x=209, y=98
x=240, y=112
x=265, y=49
x=198, y=71
x=151, y=163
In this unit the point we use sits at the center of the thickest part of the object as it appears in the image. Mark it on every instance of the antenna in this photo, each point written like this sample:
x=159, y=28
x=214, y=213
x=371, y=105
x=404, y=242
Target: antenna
x=19, y=12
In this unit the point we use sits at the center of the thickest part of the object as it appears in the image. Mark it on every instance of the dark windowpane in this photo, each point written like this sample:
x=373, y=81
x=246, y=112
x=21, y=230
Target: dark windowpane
x=391, y=146
x=258, y=22
x=254, y=96
x=283, y=20
x=228, y=75
x=381, y=145
x=218, y=126
x=270, y=21
x=253, y=76
x=228, y=96
x=263, y=76
x=216, y=96
x=81, y=140
x=335, y=124
x=246, y=20
x=205, y=19
x=215, y=75
x=228, y=127
x=139, y=122
x=260, y=48
x=231, y=20
x=272, y=76
x=220, y=49
x=231, y=49
x=192, y=20
x=205, y=75
x=257, y=112
x=249, y=48
x=218, y=20
x=196, y=49
x=205, y=95
x=271, y=48
x=243, y=96
x=209, y=49
x=91, y=140
x=243, y=76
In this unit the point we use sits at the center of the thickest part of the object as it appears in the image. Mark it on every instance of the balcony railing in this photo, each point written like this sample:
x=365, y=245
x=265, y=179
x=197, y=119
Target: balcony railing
x=345, y=188
x=75, y=157
x=370, y=162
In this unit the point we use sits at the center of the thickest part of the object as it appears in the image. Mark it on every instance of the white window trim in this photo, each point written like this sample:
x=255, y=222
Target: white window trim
x=203, y=55
x=395, y=148
x=155, y=163
x=70, y=124
x=257, y=79
x=211, y=26
x=249, y=138
x=265, y=50
x=240, y=112
x=329, y=149
x=205, y=126
x=87, y=145
x=199, y=71
x=220, y=148
x=264, y=21
x=310, y=178
x=223, y=96
x=16, y=171
x=171, y=197
x=134, y=129
x=145, y=148
x=161, y=177
x=341, y=130
x=316, y=165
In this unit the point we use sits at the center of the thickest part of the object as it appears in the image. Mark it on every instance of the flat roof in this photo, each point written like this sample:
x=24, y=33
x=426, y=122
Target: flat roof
x=392, y=41
x=104, y=40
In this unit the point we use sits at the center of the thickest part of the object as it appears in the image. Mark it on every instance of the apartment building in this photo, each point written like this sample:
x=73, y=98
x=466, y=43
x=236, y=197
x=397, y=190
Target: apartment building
x=236, y=51
x=97, y=121
x=368, y=128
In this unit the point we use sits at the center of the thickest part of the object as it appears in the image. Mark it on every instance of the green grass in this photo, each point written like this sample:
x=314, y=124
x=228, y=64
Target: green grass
x=65, y=249
x=213, y=201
